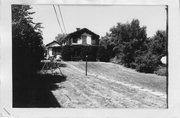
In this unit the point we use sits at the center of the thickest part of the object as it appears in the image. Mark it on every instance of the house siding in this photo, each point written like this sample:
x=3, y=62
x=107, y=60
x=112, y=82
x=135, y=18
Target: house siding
x=82, y=37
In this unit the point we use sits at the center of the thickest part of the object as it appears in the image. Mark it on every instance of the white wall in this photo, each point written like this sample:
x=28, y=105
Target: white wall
x=50, y=51
x=88, y=39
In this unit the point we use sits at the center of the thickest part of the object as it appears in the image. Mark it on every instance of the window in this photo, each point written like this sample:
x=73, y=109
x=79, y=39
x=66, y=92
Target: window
x=75, y=40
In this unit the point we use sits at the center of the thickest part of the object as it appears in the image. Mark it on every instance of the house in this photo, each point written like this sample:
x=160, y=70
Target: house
x=81, y=37
x=77, y=39
x=53, y=48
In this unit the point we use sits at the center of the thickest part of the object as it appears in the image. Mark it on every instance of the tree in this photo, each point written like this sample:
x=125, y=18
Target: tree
x=158, y=44
x=26, y=39
x=149, y=62
x=129, y=41
x=59, y=38
x=108, y=44
x=133, y=49
x=27, y=49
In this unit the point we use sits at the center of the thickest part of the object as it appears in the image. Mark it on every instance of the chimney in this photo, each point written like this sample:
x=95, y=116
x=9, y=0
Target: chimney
x=78, y=29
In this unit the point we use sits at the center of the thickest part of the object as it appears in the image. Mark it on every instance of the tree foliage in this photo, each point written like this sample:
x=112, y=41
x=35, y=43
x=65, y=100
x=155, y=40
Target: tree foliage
x=156, y=49
x=59, y=38
x=158, y=44
x=26, y=39
x=128, y=43
x=108, y=44
x=27, y=49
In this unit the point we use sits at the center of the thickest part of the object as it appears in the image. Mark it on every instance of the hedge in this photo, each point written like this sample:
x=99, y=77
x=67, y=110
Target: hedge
x=102, y=54
x=147, y=63
x=79, y=52
x=66, y=53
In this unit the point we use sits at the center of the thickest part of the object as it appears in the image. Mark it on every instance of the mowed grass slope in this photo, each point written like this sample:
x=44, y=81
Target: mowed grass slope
x=108, y=85
x=120, y=73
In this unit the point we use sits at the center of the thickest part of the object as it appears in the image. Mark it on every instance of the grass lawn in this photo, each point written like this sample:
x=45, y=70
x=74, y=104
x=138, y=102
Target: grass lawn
x=118, y=72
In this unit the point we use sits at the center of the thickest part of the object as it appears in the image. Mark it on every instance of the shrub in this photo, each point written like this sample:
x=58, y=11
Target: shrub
x=84, y=52
x=90, y=51
x=162, y=71
x=147, y=63
x=66, y=53
x=79, y=52
x=57, y=50
x=102, y=54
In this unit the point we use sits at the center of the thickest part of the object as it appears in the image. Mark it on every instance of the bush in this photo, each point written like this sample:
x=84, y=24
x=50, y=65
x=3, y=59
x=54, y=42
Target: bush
x=102, y=54
x=67, y=53
x=92, y=54
x=162, y=71
x=110, y=51
x=79, y=52
x=56, y=51
x=90, y=51
x=84, y=52
x=147, y=63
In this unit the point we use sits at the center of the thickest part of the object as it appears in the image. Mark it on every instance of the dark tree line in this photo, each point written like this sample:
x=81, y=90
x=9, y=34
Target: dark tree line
x=27, y=49
x=26, y=40
x=129, y=45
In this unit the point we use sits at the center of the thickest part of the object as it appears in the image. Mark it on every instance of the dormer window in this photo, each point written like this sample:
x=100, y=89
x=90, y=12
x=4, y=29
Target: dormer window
x=84, y=37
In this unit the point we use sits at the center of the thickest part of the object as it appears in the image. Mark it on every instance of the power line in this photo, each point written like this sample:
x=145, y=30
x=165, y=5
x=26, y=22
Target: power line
x=57, y=18
x=62, y=18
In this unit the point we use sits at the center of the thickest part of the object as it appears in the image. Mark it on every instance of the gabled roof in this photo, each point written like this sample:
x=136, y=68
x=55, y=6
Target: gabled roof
x=47, y=45
x=78, y=33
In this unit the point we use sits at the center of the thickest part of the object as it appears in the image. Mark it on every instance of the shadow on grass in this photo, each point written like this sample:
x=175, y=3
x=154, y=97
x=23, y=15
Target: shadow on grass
x=58, y=64
x=34, y=91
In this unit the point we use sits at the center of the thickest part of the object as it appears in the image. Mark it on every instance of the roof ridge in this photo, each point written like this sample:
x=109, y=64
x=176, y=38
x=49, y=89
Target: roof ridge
x=52, y=42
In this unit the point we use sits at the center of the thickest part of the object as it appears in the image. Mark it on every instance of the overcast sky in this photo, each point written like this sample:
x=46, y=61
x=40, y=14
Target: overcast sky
x=98, y=19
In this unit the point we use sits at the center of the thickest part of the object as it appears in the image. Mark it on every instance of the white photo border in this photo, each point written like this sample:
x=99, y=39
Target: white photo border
x=6, y=66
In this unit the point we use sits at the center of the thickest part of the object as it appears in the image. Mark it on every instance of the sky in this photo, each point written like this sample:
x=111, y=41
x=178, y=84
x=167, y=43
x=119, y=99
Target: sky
x=98, y=19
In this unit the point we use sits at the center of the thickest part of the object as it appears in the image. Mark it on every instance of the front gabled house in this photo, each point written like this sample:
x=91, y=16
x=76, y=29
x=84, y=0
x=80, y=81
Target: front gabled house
x=81, y=37
x=53, y=48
